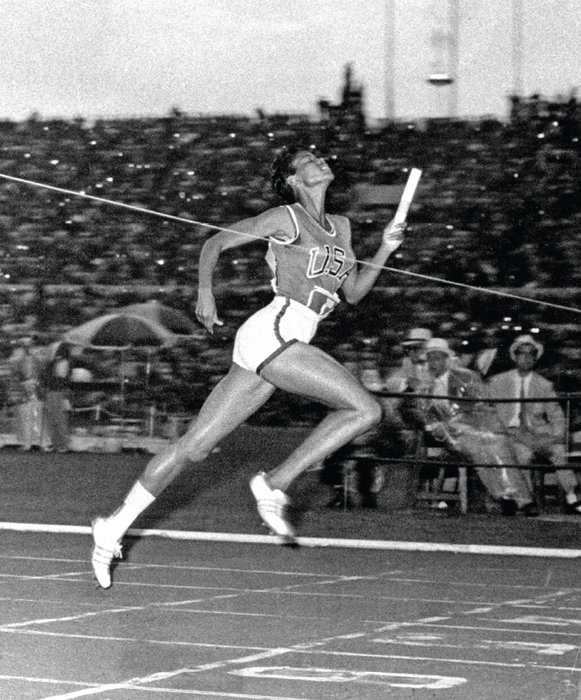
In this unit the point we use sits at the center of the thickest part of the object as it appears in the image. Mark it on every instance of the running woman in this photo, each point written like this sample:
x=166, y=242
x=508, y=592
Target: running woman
x=311, y=257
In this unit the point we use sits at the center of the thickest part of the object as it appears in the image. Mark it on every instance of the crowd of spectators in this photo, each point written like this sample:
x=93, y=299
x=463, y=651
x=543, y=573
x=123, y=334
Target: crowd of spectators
x=496, y=208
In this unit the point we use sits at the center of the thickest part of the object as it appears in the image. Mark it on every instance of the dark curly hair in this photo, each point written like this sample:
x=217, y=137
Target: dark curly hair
x=282, y=167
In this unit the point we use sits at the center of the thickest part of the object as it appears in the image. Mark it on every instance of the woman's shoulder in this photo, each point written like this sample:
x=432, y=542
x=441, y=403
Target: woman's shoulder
x=341, y=219
x=342, y=224
x=283, y=222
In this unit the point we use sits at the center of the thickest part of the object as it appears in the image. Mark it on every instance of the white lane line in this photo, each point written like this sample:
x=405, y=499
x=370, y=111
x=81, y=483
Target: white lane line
x=172, y=605
x=211, y=569
x=184, y=567
x=451, y=583
x=262, y=572
x=387, y=577
x=235, y=592
x=110, y=611
x=475, y=628
x=536, y=603
x=48, y=681
x=46, y=577
x=464, y=662
x=134, y=584
x=312, y=541
x=51, y=601
x=150, y=606
x=307, y=649
x=252, y=658
x=131, y=683
x=482, y=606
x=136, y=640
x=315, y=647
x=68, y=618
x=202, y=693
x=420, y=639
x=206, y=694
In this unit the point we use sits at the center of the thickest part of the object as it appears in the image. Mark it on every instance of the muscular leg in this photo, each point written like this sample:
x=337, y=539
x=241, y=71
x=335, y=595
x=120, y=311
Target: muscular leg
x=301, y=369
x=233, y=400
x=308, y=371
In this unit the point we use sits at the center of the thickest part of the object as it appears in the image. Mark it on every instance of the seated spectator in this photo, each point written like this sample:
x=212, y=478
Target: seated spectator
x=407, y=377
x=538, y=428
x=412, y=371
x=470, y=429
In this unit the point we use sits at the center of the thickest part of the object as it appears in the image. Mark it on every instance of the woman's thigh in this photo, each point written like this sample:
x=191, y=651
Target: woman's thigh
x=234, y=399
x=308, y=371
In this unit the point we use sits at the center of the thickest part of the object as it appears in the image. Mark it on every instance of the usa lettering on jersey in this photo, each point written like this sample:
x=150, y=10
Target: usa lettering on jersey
x=330, y=260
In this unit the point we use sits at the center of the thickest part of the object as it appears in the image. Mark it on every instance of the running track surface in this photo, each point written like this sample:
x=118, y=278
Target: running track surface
x=220, y=620
x=242, y=620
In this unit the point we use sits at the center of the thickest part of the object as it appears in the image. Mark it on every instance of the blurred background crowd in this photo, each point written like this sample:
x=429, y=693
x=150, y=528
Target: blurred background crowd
x=497, y=208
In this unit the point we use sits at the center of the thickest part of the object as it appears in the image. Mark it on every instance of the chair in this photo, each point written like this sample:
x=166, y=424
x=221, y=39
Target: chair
x=574, y=454
x=544, y=481
x=442, y=481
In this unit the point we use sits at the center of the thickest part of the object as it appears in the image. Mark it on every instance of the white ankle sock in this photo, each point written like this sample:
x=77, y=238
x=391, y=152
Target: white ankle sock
x=571, y=498
x=136, y=501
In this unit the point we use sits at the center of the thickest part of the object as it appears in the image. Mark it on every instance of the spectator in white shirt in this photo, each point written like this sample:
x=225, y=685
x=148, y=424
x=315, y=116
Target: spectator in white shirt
x=537, y=429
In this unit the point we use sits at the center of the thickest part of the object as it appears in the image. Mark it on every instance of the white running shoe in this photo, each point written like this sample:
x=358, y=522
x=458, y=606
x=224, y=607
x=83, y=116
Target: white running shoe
x=272, y=505
x=105, y=550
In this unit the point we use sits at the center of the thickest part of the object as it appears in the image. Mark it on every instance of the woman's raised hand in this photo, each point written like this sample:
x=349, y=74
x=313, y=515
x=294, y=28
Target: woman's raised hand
x=393, y=234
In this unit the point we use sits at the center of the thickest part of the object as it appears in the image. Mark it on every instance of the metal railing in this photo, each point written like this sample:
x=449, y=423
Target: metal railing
x=365, y=452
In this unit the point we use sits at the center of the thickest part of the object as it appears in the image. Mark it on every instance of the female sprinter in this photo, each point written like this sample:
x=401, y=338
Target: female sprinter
x=311, y=257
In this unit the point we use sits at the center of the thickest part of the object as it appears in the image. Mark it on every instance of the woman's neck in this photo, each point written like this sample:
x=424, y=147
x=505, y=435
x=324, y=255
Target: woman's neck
x=314, y=204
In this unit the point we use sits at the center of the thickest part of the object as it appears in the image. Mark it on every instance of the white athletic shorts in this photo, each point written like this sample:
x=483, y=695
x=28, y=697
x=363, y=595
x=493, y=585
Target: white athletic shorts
x=271, y=330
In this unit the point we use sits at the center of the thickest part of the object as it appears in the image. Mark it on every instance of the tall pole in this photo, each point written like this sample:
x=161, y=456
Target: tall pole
x=390, y=59
x=517, y=44
x=454, y=54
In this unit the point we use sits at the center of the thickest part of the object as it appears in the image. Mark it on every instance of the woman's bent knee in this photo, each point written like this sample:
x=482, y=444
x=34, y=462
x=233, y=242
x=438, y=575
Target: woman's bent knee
x=370, y=414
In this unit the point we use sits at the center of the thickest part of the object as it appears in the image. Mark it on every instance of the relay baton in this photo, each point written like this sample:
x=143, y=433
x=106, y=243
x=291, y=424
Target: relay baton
x=407, y=196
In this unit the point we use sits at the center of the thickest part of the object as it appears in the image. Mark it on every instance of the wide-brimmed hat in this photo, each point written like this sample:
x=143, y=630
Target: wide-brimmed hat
x=525, y=340
x=438, y=345
x=417, y=336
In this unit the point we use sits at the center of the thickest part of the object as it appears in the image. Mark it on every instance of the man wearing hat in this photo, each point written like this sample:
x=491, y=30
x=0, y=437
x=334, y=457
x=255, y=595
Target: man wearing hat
x=537, y=428
x=407, y=377
x=412, y=370
x=471, y=428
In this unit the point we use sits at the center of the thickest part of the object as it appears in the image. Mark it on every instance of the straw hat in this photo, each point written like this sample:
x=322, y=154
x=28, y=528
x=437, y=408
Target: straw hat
x=417, y=336
x=438, y=345
x=525, y=340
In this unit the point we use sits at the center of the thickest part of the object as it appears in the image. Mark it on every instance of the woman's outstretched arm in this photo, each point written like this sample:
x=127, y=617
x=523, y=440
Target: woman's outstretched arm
x=273, y=222
x=361, y=281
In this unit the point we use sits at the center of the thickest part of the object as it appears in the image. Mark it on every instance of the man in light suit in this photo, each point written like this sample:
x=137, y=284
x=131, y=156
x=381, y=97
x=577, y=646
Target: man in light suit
x=537, y=429
x=406, y=378
x=471, y=429
x=413, y=368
